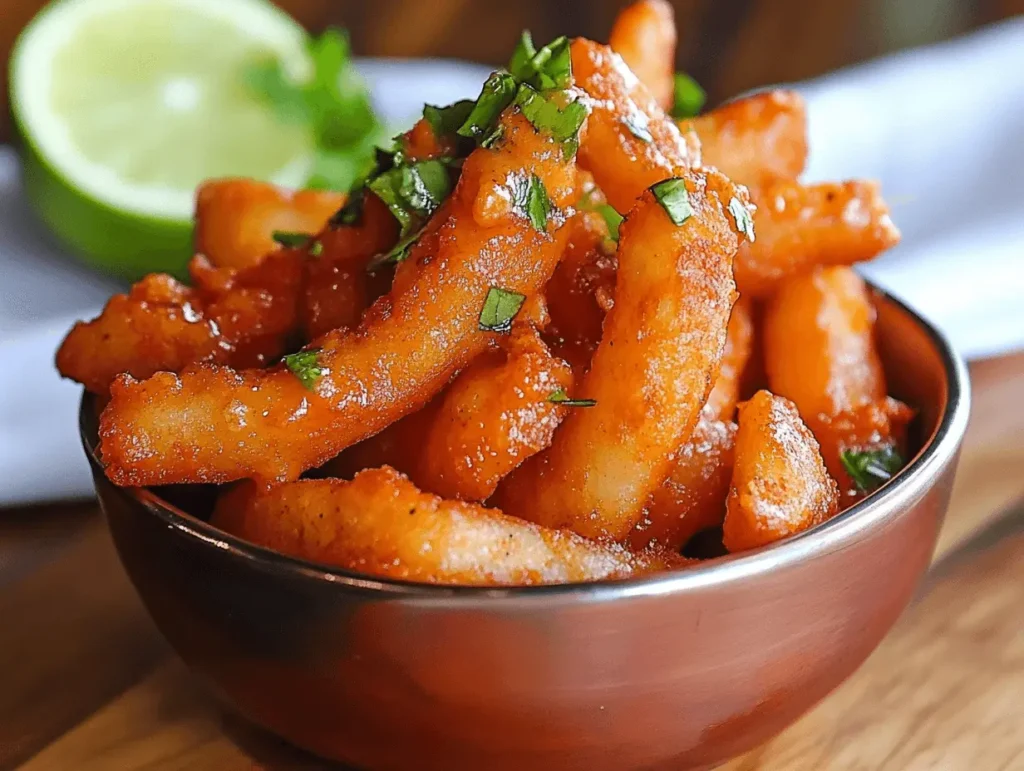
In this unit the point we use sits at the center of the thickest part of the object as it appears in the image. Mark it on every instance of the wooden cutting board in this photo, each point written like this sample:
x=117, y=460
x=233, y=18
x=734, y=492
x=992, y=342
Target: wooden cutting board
x=87, y=684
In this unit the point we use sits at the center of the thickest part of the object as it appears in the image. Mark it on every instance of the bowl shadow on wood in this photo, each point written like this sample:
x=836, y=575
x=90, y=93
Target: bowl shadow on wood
x=676, y=671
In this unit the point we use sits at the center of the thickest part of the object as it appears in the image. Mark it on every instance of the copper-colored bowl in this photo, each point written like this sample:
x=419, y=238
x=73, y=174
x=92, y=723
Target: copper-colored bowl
x=677, y=671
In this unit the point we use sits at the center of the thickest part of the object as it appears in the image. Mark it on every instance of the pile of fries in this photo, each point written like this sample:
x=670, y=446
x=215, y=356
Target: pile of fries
x=556, y=332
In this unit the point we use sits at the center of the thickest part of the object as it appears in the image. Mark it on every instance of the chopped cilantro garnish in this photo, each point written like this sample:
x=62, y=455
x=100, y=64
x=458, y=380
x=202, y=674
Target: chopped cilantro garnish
x=561, y=397
x=413, y=192
x=870, y=469
x=591, y=202
x=689, y=97
x=446, y=121
x=530, y=198
x=638, y=125
x=550, y=67
x=672, y=195
x=500, y=307
x=562, y=123
x=305, y=365
x=497, y=94
x=316, y=249
x=744, y=222
x=291, y=240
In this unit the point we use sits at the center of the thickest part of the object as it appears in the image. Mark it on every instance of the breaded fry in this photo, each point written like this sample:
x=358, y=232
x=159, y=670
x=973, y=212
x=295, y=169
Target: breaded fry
x=644, y=35
x=739, y=341
x=798, y=227
x=651, y=374
x=628, y=143
x=493, y=417
x=693, y=497
x=213, y=424
x=236, y=218
x=379, y=524
x=820, y=353
x=337, y=288
x=581, y=290
x=243, y=318
x=779, y=483
x=755, y=140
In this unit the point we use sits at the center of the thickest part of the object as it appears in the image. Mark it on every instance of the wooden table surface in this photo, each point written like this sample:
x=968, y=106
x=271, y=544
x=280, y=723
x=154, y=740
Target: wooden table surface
x=86, y=683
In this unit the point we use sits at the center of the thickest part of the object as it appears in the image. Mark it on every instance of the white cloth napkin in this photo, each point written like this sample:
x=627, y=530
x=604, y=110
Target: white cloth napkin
x=938, y=126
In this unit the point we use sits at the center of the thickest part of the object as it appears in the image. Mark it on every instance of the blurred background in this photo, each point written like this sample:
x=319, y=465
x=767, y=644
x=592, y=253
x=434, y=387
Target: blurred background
x=729, y=46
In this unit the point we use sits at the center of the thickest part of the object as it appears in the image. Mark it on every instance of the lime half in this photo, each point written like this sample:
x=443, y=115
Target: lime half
x=125, y=106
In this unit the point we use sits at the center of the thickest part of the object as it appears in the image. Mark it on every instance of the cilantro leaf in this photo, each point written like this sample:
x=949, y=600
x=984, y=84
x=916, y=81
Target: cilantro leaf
x=291, y=240
x=530, y=198
x=591, y=202
x=413, y=192
x=498, y=92
x=672, y=195
x=446, y=121
x=870, y=469
x=744, y=222
x=561, y=397
x=550, y=67
x=305, y=365
x=688, y=97
x=500, y=307
x=562, y=123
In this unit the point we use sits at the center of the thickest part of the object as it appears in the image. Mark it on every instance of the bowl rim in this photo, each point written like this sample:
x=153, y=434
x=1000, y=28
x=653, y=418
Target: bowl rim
x=887, y=503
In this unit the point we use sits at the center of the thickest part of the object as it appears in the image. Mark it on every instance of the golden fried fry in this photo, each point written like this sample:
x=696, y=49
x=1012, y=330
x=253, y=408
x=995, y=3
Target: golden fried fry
x=651, y=374
x=779, y=483
x=798, y=227
x=693, y=497
x=337, y=288
x=494, y=416
x=739, y=340
x=243, y=318
x=644, y=35
x=213, y=424
x=820, y=353
x=755, y=140
x=628, y=143
x=236, y=218
x=379, y=524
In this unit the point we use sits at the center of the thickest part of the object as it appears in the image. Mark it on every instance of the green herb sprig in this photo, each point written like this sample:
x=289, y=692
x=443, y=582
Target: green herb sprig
x=870, y=469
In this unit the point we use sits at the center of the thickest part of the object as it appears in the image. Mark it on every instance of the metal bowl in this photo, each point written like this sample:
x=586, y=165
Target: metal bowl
x=676, y=671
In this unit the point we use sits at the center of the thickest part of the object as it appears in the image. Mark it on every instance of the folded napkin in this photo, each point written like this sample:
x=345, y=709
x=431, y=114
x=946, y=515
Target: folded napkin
x=939, y=126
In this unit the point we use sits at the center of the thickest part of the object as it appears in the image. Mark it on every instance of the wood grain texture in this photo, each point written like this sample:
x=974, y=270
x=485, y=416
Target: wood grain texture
x=729, y=45
x=88, y=684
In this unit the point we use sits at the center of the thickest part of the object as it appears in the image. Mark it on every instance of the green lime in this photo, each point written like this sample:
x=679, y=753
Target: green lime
x=125, y=106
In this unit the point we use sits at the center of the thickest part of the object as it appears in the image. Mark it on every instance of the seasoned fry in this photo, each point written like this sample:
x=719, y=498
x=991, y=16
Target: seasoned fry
x=629, y=143
x=380, y=524
x=755, y=140
x=651, y=374
x=213, y=424
x=494, y=416
x=644, y=35
x=236, y=218
x=820, y=353
x=798, y=227
x=243, y=318
x=337, y=288
x=779, y=483
x=693, y=497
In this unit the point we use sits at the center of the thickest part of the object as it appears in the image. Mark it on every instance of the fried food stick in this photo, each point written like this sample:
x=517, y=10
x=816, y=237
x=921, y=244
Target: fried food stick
x=650, y=375
x=779, y=483
x=236, y=218
x=820, y=352
x=379, y=524
x=755, y=140
x=213, y=424
x=644, y=35
x=693, y=497
x=628, y=143
x=800, y=226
